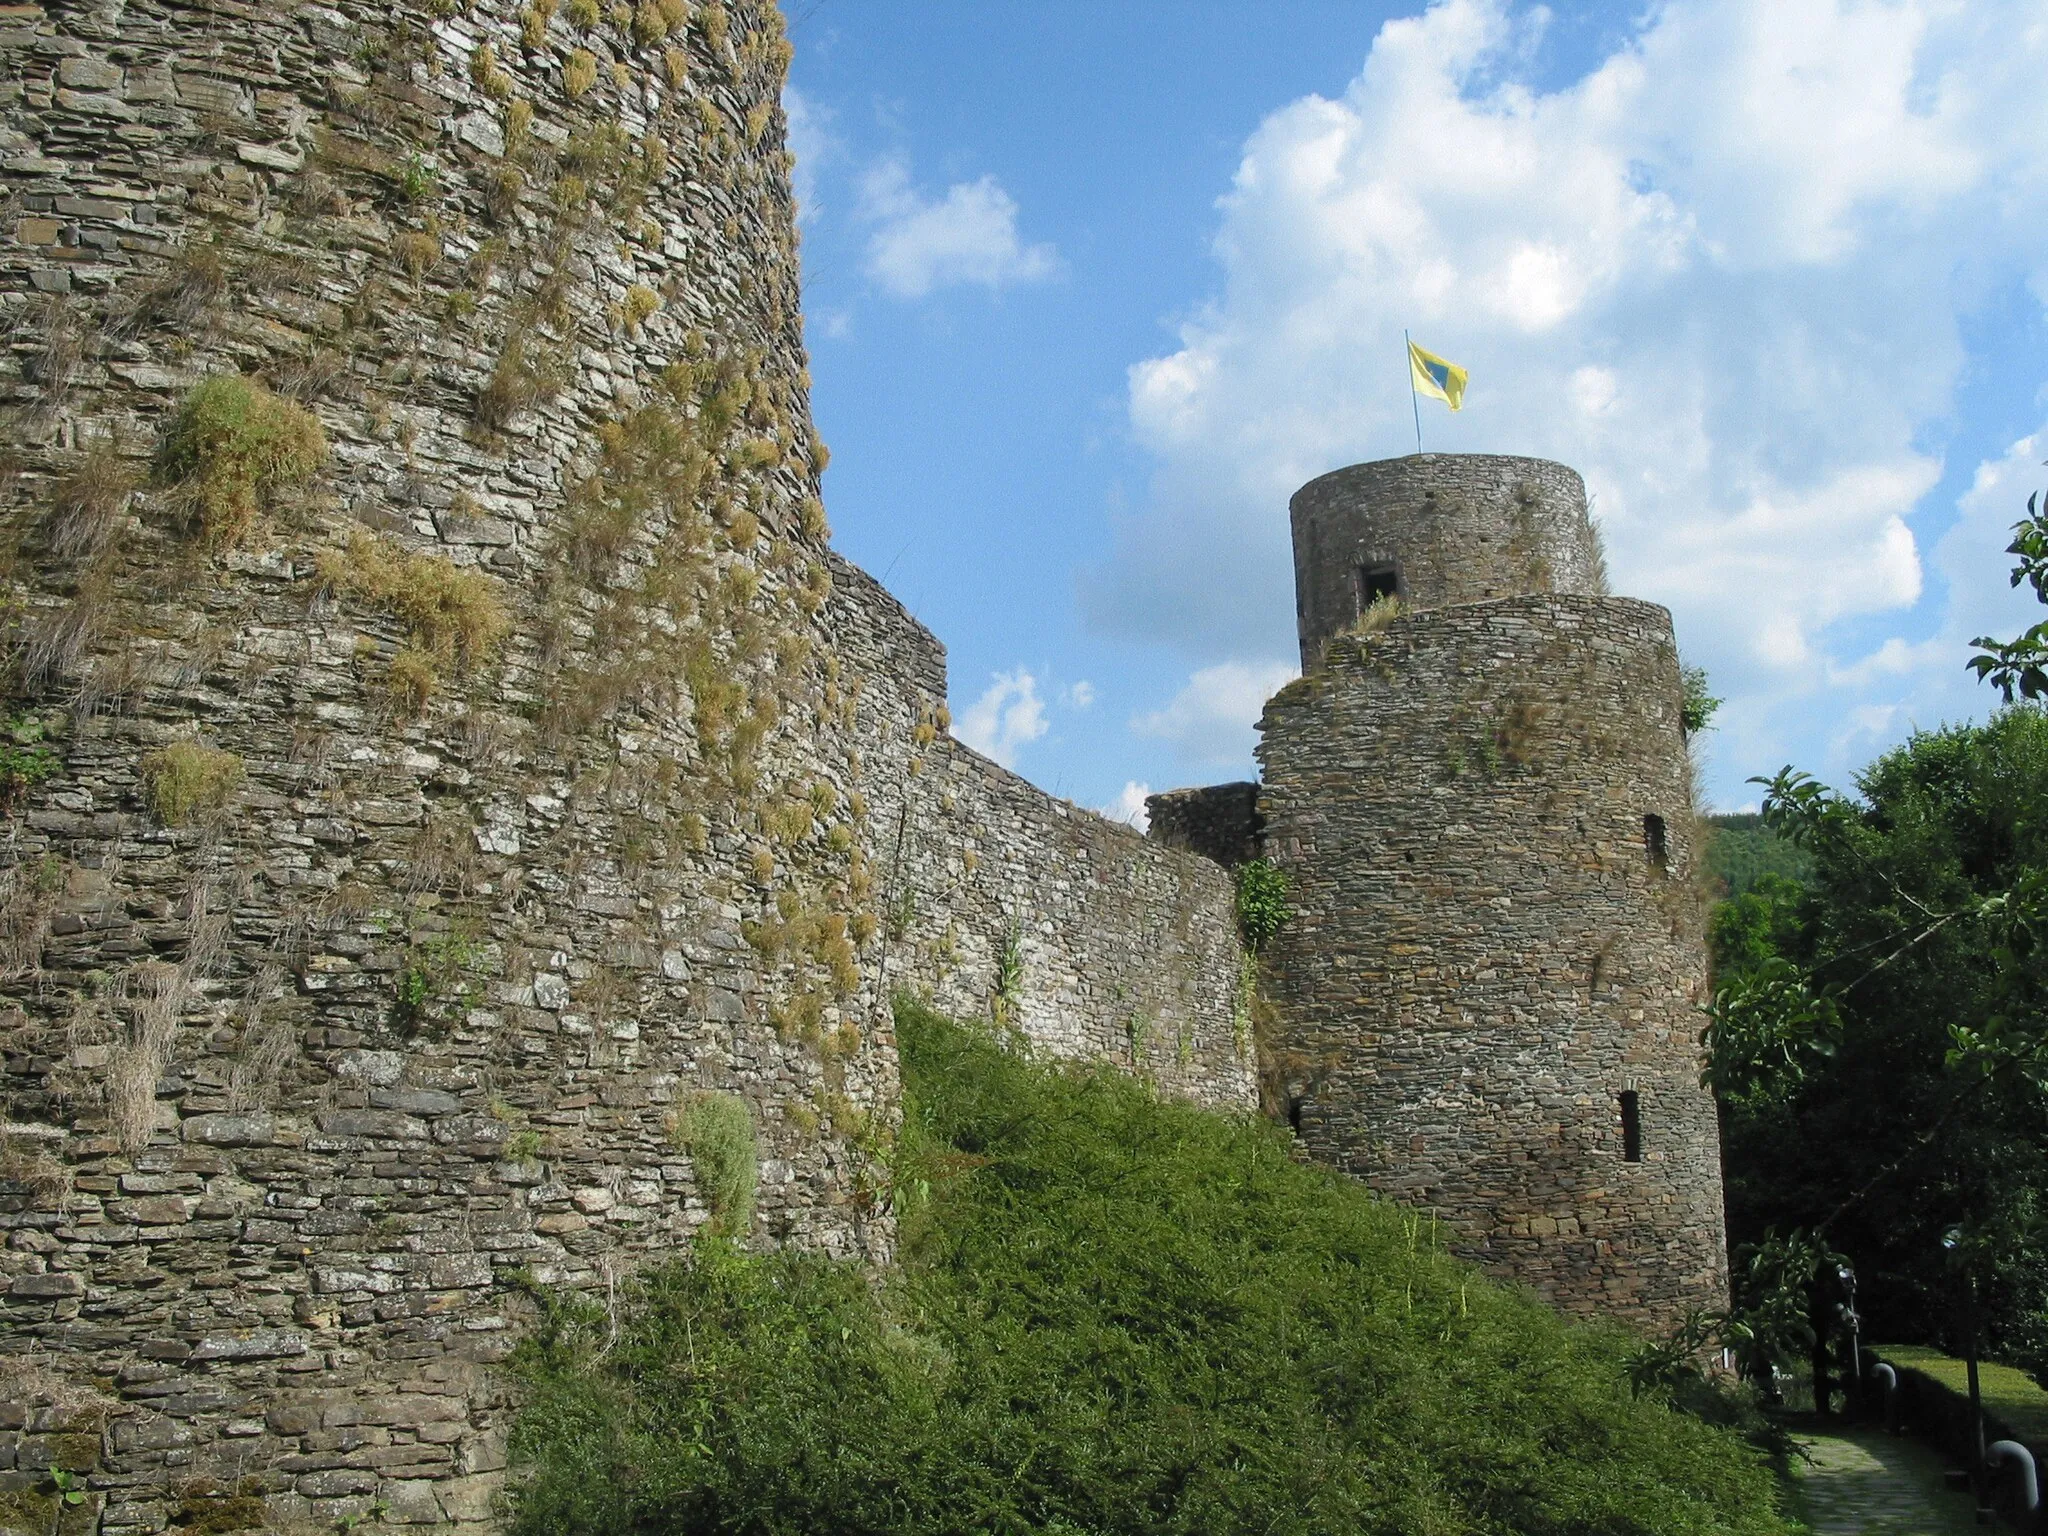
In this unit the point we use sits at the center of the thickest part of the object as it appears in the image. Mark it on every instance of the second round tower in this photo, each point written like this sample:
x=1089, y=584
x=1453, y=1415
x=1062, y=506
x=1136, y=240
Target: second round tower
x=1482, y=799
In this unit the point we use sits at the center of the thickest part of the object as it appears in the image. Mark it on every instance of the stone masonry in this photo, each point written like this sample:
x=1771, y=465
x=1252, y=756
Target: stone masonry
x=440, y=744
x=1486, y=1001
x=400, y=832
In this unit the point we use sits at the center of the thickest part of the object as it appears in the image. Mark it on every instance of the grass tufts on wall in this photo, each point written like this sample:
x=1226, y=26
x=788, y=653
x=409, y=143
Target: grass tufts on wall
x=1112, y=1315
x=451, y=615
x=232, y=447
x=188, y=782
x=87, y=504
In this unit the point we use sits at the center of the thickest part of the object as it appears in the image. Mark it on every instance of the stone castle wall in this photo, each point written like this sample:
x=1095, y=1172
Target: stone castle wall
x=1220, y=821
x=410, y=838
x=1486, y=953
x=1096, y=943
x=1449, y=528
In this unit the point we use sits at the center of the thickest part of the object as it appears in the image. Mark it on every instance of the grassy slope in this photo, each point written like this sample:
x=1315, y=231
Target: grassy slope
x=1114, y=1315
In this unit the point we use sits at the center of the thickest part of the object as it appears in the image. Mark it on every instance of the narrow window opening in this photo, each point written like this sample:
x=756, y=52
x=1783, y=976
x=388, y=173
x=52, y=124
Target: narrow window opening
x=1294, y=1108
x=1654, y=840
x=1631, y=1126
x=1376, y=582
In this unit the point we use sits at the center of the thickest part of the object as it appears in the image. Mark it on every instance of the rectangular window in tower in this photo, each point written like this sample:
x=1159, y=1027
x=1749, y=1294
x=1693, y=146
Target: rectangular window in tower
x=1376, y=582
x=1654, y=841
x=1631, y=1126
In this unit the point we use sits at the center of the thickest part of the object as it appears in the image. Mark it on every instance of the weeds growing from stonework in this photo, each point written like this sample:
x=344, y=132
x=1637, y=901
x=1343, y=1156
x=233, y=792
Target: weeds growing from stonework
x=453, y=617
x=187, y=782
x=232, y=447
x=1110, y=1315
x=717, y=1131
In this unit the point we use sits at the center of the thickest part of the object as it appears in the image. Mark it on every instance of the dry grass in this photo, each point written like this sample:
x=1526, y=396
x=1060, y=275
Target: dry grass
x=86, y=507
x=28, y=1377
x=55, y=644
x=269, y=1041
x=418, y=252
x=489, y=78
x=502, y=190
x=1378, y=614
x=451, y=615
x=138, y=1062
x=579, y=72
x=520, y=379
x=410, y=682
x=639, y=305
x=442, y=856
x=28, y=899
x=318, y=375
x=195, y=279
x=50, y=362
x=27, y=1159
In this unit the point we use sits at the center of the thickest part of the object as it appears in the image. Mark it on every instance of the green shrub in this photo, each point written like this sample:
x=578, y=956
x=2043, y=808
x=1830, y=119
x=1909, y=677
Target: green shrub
x=1113, y=1315
x=432, y=987
x=717, y=1130
x=25, y=760
x=232, y=446
x=1261, y=903
x=1697, y=707
x=188, y=782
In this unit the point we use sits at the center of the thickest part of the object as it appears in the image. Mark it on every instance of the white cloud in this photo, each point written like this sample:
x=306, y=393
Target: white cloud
x=967, y=236
x=1078, y=695
x=1007, y=717
x=815, y=146
x=1210, y=721
x=1723, y=274
x=1129, y=806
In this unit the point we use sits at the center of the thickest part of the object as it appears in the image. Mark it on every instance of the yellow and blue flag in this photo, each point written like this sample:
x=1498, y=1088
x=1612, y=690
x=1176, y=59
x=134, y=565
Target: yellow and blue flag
x=1437, y=377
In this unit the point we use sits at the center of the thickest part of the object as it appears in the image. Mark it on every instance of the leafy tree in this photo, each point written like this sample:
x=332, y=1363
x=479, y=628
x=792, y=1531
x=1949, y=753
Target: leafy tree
x=1878, y=1039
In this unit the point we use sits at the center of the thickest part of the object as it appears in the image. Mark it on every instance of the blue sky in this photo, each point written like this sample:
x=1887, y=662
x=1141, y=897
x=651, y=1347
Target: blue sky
x=1090, y=288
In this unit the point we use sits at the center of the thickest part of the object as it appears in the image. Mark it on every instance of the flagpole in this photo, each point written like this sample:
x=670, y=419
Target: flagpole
x=1408, y=357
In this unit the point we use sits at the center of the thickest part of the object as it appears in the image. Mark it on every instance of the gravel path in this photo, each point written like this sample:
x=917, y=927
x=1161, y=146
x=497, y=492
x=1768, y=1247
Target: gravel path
x=1863, y=1482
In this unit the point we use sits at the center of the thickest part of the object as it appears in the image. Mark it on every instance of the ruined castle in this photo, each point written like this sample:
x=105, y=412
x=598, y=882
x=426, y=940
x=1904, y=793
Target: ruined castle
x=442, y=749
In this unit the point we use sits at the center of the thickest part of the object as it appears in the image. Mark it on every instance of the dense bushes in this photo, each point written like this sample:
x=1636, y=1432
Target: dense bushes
x=1113, y=1315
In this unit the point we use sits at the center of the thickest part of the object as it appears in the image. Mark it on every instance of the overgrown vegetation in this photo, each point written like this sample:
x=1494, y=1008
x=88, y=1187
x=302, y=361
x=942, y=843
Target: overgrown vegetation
x=26, y=760
x=453, y=617
x=188, y=781
x=717, y=1131
x=232, y=447
x=1377, y=615
x=1261, y=903
x=1697, y=707
x=1113, y=1315
x=432, y=987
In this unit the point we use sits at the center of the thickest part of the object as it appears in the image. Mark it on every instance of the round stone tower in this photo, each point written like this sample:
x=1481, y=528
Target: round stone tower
x=1482, y=799
x=1435, y=529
